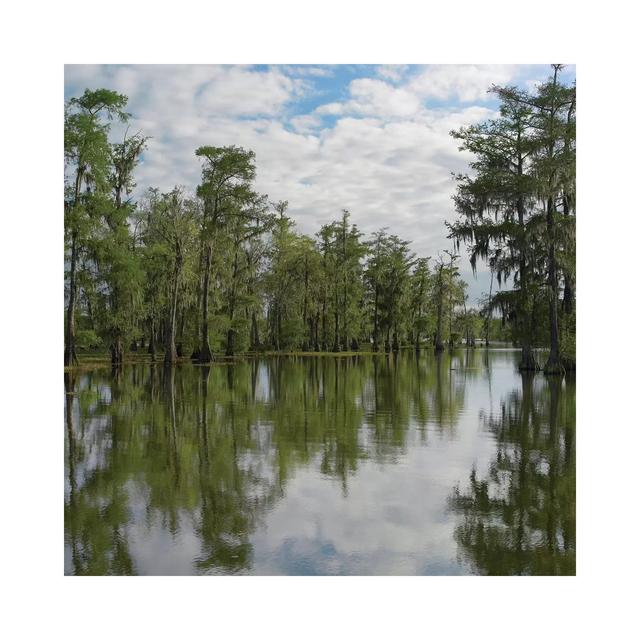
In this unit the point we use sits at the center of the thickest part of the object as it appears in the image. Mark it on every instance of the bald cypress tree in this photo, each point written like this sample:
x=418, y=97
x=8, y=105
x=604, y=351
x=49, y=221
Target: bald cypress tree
x=172, y=235
x=552, y=109
x=87, y=168
x=122, y=272
x=496, y=207
x=421, y=287
x=227, y=174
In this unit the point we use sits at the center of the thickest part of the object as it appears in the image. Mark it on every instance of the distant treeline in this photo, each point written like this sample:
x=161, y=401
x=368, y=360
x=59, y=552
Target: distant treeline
x=222, y=269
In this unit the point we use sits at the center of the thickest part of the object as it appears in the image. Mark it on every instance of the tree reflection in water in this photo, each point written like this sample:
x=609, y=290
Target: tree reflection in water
x=520, y=519
x=176, y=469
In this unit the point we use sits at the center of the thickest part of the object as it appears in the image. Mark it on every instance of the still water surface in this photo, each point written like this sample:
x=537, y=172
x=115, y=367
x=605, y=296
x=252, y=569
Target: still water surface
x=451, y=464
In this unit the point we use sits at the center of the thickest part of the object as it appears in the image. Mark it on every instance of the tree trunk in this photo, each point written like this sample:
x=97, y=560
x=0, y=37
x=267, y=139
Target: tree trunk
x=278, y=327
x=488, y=321
x=170, y=353
x=305, y=343
x=205, y=350
x=439, y=346
x=70, y=357
x=569, y=278
x=231, y=342
x=336, y=337
x=117, y=352
x=255, y=336
x=569, y=295
x=375, y=321
x=324, y=323
x=181, y=324
x=553, y=365
x=152, y=340
x=527, y=359
x=231, y=333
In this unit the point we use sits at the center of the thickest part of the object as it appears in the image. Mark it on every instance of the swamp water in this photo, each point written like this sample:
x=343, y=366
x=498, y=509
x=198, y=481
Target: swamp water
x=367, y=465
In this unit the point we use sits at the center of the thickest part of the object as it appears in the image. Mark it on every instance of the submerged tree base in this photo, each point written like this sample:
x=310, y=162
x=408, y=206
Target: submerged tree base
x=70, y=356
x=554, y=368
x=527, y=360
x=117, y=353
x=204, y=355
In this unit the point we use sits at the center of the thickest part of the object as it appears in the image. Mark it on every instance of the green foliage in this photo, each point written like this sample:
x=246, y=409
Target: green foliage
x=512, y=523
x=568, y=341
x=222, y=269
x=90, y=214
x=517, y=208
x=88, y=339
x=213, y=448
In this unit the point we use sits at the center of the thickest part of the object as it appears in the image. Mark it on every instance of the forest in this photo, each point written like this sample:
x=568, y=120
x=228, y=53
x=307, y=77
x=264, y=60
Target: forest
x=215, y=270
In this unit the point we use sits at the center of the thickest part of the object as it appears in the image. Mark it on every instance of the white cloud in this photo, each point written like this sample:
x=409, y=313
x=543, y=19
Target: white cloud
x=309, y=70
x=372, y=97
x=467, y=83
x=236, y=91
x=306, y=124
x=386, y=157
x=331, y=109
x=393, y=72
x=187, y=90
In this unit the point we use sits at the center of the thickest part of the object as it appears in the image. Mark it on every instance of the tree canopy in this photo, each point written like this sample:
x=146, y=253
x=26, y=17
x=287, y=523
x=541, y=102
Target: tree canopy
x=218, y=269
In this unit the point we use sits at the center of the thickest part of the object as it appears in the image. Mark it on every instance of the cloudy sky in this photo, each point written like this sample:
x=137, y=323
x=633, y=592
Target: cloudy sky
x=373, y=139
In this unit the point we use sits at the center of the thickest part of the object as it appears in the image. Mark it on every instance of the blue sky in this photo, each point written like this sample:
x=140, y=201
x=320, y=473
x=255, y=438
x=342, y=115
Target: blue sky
x=373, y=139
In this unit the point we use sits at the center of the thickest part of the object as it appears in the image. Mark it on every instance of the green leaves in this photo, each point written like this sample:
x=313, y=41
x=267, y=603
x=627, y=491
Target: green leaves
x=124, y=159
x=523, y=170
x=110, y=103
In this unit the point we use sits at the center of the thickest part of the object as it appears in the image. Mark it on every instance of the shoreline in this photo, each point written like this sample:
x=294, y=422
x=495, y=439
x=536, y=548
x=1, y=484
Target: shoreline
x=89, y=362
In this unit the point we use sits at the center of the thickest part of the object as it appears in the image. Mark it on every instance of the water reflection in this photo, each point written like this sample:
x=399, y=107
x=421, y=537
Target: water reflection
x=520, y=518
x=318, y=465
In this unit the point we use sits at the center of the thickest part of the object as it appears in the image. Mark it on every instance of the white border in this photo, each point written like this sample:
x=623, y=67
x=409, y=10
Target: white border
x=38, y=39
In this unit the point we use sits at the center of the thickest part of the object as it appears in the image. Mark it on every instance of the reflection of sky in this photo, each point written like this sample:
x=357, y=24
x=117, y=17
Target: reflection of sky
x=392, y=519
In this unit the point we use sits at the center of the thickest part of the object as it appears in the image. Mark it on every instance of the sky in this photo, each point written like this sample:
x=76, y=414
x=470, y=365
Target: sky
x=373, y=139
